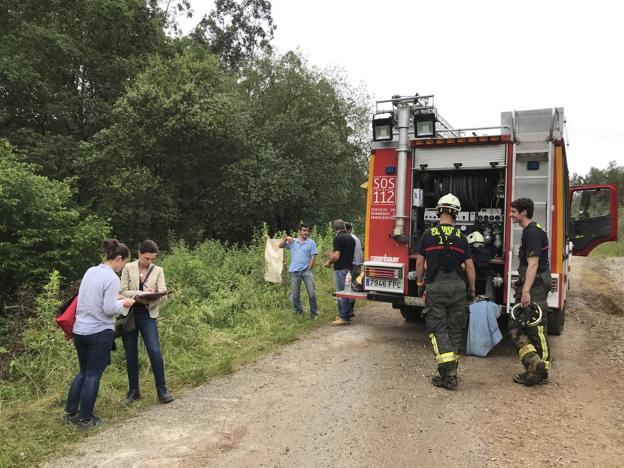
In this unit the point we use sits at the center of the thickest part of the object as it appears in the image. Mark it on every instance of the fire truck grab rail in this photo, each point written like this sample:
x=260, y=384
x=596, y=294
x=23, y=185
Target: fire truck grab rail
x=461, y=130
x=406, y=98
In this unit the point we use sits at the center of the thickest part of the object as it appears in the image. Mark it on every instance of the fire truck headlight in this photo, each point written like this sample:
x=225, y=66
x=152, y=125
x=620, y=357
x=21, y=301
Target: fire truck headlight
x=424, y=125
x=382, y=127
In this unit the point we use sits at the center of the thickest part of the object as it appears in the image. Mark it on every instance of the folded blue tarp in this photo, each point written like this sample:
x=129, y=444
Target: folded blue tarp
x=483, y=331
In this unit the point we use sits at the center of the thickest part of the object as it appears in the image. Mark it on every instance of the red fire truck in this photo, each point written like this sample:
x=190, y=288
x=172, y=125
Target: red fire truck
x=417, y=157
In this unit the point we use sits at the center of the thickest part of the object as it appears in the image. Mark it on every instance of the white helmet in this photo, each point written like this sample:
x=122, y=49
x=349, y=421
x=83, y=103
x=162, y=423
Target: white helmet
x=449, y=203
x=476, y=237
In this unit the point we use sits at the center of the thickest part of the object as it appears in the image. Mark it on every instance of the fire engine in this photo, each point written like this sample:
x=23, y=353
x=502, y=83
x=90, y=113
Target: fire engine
x=417, y=157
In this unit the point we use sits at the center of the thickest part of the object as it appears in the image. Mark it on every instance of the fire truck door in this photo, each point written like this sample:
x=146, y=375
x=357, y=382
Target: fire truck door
x=593, y=217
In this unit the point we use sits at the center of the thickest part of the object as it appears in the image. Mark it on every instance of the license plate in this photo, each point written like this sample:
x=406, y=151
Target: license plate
x=384, y=283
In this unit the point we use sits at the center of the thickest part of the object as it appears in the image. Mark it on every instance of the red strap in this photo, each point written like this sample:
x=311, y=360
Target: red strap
x=435, y=247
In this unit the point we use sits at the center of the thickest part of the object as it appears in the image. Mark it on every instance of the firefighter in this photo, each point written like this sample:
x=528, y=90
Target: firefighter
x=533, y=285
x=445, y=249
x=481, y=256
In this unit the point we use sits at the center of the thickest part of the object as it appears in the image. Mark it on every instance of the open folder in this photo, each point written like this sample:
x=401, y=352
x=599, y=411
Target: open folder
x=150, y=296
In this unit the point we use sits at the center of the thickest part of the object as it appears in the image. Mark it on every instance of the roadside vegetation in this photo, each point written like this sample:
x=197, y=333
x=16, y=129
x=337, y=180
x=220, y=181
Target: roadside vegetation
x=613, y=249
x=221, y=314
x=612, y=174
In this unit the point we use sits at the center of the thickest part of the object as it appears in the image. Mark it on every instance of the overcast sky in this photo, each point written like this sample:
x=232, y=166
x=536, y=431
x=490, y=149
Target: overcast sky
x=478, y=58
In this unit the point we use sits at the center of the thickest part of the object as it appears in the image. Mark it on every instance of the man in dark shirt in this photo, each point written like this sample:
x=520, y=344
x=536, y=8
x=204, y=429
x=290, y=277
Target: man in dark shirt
x=342, y=260
x=444, y=249
x=533, y=285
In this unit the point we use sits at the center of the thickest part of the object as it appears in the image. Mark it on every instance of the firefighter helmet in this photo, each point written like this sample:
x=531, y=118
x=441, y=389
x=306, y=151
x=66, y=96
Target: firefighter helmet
x=476, y=237
x=449, y=203
x=529, y=316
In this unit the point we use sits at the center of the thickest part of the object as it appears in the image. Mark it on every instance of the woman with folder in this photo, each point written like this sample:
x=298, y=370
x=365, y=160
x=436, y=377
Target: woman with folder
x=137, y=278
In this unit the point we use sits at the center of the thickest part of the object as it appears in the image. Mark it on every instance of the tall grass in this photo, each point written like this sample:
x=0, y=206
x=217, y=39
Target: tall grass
x=221, y=314
x=613, y=249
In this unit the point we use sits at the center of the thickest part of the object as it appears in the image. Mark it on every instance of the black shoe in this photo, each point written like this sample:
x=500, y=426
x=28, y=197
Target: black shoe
x=132, y=396
x=70, y=418
x=90, y=423
x=163, y=395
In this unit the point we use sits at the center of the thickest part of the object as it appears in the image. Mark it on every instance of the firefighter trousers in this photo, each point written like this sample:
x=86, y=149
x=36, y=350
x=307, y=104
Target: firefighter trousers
x=532, y=339
x=446, y=319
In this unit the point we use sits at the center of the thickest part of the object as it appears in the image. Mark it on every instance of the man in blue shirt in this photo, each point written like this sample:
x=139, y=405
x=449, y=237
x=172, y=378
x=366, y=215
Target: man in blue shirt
x=303, y=257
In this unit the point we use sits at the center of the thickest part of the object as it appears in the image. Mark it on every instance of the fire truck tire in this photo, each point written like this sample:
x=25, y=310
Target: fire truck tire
x=411, y=313
x=556, y=320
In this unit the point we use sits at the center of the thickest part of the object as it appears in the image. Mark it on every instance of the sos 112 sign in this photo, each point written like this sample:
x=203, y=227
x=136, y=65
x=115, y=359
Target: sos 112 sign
x=384, y=190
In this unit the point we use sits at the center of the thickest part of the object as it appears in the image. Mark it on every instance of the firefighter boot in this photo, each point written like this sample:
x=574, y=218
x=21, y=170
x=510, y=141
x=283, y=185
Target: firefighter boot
x=448, y=376
x=536, y=372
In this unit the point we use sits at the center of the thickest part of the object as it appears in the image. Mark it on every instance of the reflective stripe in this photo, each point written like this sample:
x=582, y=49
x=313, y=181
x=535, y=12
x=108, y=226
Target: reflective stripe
x=434, y=343
x=545, y=354
x=441, y=358
x=447, y=357
x=526, y=349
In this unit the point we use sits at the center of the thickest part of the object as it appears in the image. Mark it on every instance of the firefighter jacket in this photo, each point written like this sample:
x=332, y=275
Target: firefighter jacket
x=534, y=243
x=445, y=249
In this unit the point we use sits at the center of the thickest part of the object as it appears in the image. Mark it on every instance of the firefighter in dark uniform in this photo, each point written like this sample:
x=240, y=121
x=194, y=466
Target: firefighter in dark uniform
x=534, y=282
x=445, y=249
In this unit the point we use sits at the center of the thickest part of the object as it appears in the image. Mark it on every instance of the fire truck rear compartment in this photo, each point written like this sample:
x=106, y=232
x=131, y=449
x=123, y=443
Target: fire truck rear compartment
x=481, y=193
x=482, y=196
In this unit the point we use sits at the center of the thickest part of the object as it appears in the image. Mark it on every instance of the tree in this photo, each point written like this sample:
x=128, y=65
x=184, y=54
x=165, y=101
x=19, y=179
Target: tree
x=315, y=132
x=40, y=230
x=237, y=32
x=180, y=123
x=62, y=67
x=613, y=174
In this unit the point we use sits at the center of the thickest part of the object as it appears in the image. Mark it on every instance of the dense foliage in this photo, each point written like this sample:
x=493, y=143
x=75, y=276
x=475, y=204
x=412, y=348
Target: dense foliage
x=39, y=227
x=204, y=136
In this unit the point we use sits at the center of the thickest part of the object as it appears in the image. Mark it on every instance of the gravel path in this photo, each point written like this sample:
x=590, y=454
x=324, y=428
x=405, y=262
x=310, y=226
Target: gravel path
x=361, y=396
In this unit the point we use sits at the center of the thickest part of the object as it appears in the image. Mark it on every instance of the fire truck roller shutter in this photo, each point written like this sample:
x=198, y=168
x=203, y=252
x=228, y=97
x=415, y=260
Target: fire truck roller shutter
x=475, y=189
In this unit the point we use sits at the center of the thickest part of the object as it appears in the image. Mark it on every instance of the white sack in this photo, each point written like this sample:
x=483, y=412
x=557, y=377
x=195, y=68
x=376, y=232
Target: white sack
x=273, y=261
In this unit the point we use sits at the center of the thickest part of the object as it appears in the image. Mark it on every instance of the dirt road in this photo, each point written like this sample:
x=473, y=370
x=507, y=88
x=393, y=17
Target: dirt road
x=361, y=396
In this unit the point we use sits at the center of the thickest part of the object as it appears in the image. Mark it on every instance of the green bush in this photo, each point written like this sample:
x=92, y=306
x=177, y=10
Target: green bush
x=39, y=228
x=220, y=314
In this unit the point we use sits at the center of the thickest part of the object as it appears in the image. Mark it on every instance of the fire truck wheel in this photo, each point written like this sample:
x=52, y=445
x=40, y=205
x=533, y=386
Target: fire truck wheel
x=556, y=319
x=411, y=313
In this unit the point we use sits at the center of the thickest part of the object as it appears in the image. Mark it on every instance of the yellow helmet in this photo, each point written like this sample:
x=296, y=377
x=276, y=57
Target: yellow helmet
x=450, y=204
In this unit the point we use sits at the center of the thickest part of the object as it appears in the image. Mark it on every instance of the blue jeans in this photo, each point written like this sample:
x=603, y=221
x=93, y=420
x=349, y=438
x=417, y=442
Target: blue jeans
x=148, y=328
x=308, y=280
x=93, y=357
x=344, y=305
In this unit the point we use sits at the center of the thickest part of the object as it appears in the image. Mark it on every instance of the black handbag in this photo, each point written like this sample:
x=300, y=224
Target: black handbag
x=125, y=323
